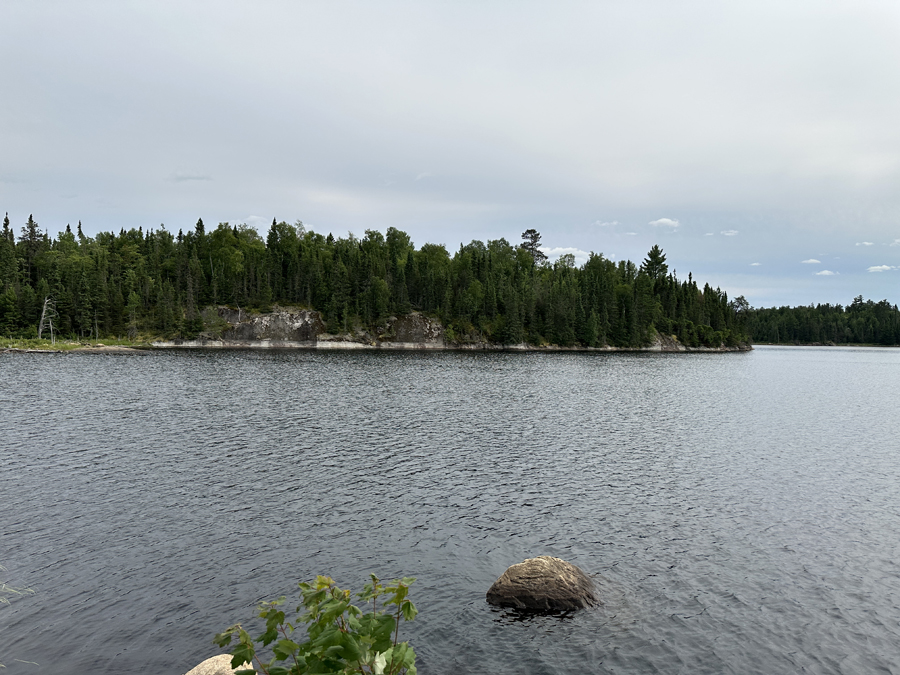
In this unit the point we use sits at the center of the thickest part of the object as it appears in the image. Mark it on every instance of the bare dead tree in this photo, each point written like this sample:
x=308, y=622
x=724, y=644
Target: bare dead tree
x=48, y=313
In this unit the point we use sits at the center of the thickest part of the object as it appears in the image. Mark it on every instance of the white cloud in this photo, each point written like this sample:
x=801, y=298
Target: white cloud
x=864, y=243
x=605, y=223
x=755, y=264
x=424, y=174
x=631, y=234
x=826, y=273
x=811, y=261
x=259, y=223
x=710, y=234
x=729, y=233
x=665, y=222
x=896, y=242
x=581, y=257
x=880, y=268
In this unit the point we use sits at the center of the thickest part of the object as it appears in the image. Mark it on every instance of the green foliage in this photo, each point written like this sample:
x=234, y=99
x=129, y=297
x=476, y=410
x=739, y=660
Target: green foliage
x=340, y=638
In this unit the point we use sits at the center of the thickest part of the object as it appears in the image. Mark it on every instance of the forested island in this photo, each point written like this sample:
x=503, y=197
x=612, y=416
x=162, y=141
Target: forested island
x=145, y=284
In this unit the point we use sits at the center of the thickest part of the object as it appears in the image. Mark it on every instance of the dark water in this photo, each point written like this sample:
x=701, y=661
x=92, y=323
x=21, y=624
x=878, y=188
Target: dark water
x=740, y=512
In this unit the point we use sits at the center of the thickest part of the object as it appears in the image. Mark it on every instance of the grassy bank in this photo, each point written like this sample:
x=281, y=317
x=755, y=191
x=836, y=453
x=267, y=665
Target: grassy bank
x=69, y=345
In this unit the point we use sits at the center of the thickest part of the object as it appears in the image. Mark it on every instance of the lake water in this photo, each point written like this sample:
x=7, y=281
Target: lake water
x=740, y=512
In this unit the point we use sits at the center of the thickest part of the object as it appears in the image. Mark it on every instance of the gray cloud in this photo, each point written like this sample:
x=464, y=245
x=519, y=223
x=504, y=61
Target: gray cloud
x=185, y=177
x=328, y=112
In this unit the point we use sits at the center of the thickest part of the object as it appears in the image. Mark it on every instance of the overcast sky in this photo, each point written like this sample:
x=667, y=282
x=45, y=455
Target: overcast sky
x=758, y=143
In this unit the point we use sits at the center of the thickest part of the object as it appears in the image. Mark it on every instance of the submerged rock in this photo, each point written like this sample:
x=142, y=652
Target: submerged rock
x=543, y=583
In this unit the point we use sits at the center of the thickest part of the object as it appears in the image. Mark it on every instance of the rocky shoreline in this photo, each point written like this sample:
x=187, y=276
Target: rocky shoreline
x=292, y=328
x=87, y=349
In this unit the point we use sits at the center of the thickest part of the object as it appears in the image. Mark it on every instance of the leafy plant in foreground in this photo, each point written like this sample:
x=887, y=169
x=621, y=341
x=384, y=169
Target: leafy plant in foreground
x=340, y=637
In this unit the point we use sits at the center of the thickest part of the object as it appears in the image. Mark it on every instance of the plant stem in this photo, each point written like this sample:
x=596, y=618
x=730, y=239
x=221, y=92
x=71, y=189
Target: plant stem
x=396, y=636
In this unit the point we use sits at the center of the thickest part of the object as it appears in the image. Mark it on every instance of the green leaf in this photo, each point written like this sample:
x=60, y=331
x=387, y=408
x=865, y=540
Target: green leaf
x=408, y=610
x=242, y=654
x=223, y=639
x=285, y=648
x=409, y=657
x=336, y=650
x=352, y=651
x=400, y=657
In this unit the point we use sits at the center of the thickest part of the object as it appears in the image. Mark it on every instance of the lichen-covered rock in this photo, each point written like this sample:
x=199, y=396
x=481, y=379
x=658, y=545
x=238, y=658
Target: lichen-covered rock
x=415, y=327
x=543, y=583
x=285, y=324
x=217, y=665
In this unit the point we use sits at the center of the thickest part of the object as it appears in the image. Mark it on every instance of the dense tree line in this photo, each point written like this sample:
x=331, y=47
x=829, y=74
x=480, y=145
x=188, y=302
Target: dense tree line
x=861, y=322
x=155, y=282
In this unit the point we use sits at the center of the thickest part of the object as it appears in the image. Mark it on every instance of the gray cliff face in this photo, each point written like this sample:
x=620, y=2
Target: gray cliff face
x=289, y=327
x=282, y=325
x=414, y=328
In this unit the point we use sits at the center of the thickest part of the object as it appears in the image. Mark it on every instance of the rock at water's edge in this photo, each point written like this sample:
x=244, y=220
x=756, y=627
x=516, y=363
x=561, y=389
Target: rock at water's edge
x=543, y=583
x=217, y=665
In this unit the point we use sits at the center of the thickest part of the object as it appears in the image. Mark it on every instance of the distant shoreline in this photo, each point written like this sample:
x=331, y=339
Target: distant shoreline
x=166, y=345
x=824, y=344
x=349, y=345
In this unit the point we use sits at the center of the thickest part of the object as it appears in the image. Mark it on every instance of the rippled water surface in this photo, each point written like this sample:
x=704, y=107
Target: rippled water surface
x=739, y=512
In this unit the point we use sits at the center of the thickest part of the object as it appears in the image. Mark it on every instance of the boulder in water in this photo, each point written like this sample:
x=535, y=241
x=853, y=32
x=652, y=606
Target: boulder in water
x=543, y=583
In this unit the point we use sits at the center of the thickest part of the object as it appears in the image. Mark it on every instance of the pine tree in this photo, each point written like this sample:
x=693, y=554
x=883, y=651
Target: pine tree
x=531, y=243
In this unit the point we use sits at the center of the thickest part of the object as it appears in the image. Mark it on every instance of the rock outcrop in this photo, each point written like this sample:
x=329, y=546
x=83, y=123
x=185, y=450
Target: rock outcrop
x=217, y=665
x=543, y=583
x=411, y=330
x=282, y=324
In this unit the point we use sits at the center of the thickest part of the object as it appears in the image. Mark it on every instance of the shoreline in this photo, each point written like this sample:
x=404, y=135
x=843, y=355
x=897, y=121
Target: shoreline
x=91, y=349
x=349, y=345
x=824, y=344
x=298, y=328
x=329, y=346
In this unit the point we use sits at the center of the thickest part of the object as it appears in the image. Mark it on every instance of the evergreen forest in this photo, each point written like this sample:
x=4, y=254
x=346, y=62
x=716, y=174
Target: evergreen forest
x=152, y=283
x=861, y=322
